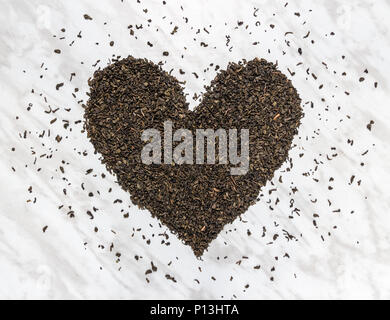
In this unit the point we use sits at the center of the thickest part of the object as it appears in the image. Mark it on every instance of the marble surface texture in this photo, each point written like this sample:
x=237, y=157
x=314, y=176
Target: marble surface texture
x=322, y=227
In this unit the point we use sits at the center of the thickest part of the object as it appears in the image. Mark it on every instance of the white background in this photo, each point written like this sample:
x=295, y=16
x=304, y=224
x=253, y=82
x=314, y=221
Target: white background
x=345, y=255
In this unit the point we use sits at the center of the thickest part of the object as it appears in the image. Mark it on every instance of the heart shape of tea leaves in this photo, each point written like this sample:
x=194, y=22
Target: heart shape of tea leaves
x=194, y=201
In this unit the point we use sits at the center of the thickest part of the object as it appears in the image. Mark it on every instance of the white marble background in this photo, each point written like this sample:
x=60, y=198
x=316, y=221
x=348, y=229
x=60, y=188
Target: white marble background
x=344, y=254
